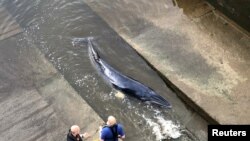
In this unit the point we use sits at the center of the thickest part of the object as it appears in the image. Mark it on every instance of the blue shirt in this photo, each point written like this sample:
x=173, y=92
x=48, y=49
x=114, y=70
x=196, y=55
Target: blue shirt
x=107, y=134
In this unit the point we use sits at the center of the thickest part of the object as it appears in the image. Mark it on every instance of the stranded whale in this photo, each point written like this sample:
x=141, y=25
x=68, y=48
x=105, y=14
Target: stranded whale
x=124, y=83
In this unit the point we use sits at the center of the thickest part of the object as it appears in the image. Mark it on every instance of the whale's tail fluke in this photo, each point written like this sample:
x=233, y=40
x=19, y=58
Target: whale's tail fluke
x=94, y=54
x=81, y=42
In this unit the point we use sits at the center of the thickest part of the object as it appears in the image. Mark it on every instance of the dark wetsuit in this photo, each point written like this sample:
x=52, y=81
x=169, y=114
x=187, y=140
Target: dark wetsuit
x=70, y=137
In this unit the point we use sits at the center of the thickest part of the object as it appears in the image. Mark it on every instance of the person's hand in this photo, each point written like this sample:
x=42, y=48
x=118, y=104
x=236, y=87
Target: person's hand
x=85, y=135
x=100, y=128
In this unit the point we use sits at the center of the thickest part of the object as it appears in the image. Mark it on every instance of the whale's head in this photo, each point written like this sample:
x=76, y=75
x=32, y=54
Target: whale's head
x=154, y=98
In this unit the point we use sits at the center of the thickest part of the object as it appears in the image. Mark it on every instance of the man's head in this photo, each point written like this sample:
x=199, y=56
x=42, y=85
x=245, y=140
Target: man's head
x=111, y=121
x=75, y=130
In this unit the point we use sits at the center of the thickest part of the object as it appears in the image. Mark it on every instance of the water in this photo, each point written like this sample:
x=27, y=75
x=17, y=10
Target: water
x=58, y=28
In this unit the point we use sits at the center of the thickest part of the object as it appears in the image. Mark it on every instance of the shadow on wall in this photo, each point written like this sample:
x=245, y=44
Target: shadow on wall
x=238, y=11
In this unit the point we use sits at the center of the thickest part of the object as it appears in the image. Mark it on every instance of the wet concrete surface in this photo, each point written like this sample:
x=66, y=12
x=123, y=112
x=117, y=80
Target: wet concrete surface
x=52, y=26
x=36, y=101
x=8, y=26
x=196, y=51
x=203, y=55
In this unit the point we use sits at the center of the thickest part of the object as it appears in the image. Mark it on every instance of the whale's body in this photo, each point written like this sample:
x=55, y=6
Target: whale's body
x=124, y=83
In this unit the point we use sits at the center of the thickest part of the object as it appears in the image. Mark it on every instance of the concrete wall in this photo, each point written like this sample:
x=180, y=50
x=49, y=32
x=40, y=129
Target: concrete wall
x=237, y=10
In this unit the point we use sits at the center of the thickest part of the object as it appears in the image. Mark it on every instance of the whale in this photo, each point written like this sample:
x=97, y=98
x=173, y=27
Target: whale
x=126, y=84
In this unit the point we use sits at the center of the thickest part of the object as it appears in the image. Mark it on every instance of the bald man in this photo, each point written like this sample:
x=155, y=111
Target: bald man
x=112, y=131
x=74, y=134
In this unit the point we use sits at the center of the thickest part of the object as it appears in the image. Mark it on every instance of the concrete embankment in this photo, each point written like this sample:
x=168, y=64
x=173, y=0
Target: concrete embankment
x=36, y=102
x=200, y=53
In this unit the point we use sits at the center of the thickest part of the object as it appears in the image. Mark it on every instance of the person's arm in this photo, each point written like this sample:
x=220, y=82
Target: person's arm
x=121, y=137
x=85, y=135
x=102, y=135
x=121, y=133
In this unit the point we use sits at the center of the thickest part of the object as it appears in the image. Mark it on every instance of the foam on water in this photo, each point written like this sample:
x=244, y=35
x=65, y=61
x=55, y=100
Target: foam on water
x=163, y=129
x=169, y=129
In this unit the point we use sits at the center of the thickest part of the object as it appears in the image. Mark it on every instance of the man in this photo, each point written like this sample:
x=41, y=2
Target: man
x=112, y=131
x=74, y=134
